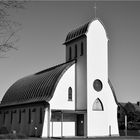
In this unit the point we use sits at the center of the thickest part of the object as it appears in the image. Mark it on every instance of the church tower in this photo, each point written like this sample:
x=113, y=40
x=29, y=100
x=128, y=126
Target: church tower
x=76, y=49
x=89, y=46
x=101, y=104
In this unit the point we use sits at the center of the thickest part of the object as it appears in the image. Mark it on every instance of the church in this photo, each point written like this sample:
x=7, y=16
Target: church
x=73, y=99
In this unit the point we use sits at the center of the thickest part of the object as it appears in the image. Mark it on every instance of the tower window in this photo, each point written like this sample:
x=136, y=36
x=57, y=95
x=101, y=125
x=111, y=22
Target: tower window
x=82, y=48
x=75, y=50
x=69, y=94
x=97, y=105
x=70, y=54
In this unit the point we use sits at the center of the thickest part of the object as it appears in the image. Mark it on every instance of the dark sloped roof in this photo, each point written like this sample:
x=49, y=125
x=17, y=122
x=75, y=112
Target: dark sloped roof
x=35, y=88
x=77, y=33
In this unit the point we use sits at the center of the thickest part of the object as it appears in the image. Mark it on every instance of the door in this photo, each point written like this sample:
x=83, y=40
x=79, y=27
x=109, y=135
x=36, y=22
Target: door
x=80, y=124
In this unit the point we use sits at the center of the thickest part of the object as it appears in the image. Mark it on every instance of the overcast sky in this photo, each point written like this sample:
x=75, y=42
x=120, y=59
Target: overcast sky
x=45, y=26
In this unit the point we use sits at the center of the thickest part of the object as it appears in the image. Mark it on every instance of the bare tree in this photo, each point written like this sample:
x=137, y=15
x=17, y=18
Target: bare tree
x=8, y=27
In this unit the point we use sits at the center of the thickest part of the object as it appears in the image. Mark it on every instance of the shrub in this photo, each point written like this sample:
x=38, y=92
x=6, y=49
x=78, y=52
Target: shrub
x=12, y=136
x=3, y=130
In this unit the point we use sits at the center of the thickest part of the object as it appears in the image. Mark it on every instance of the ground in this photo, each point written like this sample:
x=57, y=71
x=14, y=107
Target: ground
x=100, y=138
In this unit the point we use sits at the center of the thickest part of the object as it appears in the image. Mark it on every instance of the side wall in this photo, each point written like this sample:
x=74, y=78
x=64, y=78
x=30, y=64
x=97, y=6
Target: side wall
x=24, y=119
x=100, y=123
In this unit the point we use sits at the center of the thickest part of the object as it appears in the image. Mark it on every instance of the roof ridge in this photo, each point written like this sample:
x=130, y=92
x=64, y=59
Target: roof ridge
x=53, y=67
x=77, y=32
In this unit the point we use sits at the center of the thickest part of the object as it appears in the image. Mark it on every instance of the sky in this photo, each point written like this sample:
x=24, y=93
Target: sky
x=45, y=25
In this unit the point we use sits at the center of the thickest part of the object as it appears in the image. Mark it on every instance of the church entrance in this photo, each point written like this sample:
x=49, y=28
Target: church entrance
x=68, y=123
x=80, y=124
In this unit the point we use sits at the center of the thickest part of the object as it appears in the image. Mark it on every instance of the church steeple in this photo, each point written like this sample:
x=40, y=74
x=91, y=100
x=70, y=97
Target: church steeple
x=92, y=90
x=76, y=49
x=75, y=44
x=95, y=12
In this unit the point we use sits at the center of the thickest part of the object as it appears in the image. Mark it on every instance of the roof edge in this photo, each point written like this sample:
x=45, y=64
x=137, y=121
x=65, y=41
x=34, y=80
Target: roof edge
x=86, y=24
x=98, y=19
x=113, y=91
x=72, y=62
x=68, y=64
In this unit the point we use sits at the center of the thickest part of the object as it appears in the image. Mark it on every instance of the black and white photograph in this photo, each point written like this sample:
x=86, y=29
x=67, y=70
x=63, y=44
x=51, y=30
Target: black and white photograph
x=69, y=69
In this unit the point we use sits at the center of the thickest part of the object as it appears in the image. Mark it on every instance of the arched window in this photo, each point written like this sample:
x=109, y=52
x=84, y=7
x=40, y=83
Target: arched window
x=69, y=94
x=70, y=54
x=75, y=50
x=82, y=48
x=97, y=105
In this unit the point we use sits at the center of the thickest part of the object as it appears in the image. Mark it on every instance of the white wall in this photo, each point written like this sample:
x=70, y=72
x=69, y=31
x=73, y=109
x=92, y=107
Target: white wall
x=60, y=102
x=97, y=68
x=45, y=130
x=60, y=98
x=68, y=129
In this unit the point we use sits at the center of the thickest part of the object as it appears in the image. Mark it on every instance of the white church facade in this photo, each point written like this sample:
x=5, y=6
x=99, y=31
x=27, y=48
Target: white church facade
x=71, y=99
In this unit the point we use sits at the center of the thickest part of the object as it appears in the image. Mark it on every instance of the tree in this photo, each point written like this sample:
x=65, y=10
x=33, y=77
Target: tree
x=8, y=27
x=130, y=109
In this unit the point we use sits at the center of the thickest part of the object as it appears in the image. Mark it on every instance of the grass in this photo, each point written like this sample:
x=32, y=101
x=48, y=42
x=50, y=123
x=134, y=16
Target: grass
x=12, y=136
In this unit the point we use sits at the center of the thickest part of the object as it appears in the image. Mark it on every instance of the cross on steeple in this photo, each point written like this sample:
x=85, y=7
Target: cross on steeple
x=95, y=8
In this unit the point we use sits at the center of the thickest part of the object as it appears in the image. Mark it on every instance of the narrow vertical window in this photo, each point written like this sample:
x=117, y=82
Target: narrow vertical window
x=29, y=121
x=11, y=116
x=41, y=119
x=82, y=48
x=69, y=94
x=70, y=54
x=19, y=116
x=3, y=117
x=75, y=50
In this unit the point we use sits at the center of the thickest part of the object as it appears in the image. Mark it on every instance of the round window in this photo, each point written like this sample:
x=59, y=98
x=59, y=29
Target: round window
x=97, y=84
